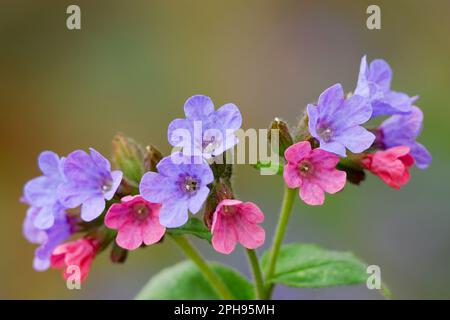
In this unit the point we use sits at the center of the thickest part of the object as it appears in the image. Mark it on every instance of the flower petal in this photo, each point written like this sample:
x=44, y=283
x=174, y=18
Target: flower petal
x=173, y=214
x=49, y=164
x=92, y=208
x=311, y=193
x=197, y=107
x=230, y=116
x=357, y=139
x=196, y=202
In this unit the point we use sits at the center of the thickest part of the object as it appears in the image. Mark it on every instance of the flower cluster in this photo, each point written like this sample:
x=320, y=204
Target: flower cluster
x=141, y=196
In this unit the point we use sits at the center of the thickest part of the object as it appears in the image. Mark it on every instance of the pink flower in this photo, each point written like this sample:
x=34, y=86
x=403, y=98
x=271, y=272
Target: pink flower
x=137, y=222
x=79, y=253
x=313, y=171
x=236, y=221
x=392, y=165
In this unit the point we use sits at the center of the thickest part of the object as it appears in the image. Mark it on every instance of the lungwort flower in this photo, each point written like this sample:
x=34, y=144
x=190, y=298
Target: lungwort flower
x=402, y=130
x=392, y=165
x=47, y=239
x=137, y=222
x=205, y=132
x=336, y=122
x=89, y=181
x=180, y=185
x=236, y=221
x=75, y=257
x=313, y=171
x=41, y=192
x=374, y=83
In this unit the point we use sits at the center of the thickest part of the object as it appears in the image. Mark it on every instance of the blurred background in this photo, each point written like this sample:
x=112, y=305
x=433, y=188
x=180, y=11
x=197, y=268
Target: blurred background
x=133, y=65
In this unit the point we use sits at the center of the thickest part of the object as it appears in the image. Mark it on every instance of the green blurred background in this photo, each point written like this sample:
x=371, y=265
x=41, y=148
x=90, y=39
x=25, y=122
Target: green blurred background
x=133, y=65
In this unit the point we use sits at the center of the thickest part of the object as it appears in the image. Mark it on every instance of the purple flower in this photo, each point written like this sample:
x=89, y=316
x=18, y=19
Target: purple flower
x=402, y=130
x=335, y=122
x=374, y=83
x=178, y=187
x=89, y=181
x=40, y=193
x=205, y=132
x=48, y=239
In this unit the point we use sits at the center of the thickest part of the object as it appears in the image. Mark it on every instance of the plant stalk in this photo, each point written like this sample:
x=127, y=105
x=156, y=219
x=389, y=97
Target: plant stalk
x=257, y=274
x=191, y=252
x=285, y=213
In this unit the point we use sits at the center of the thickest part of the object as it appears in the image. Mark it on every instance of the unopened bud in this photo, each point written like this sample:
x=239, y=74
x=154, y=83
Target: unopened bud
x=152, y=157
x=302, y=130
x=128, y=156
x=220, y=191
x=284, y=136
x=118, y=254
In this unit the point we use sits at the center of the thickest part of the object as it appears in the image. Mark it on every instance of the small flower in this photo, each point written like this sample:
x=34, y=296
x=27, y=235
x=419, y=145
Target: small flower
x=374, y=83
x=48, y=239
x=313, y=171
x=236, y=221
x=205, y=132
x=335, y=122
x=79, y=253
x=392, y=165
x=89, y=181
x=178, y=187
x=40, y=193
x=402, y=130
x=137, y=222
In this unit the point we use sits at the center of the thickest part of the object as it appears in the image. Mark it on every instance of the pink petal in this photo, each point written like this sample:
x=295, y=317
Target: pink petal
x=117, y=215
x=224, y=237
x=311, y=193
x=295, y=153
x=330, y=181
x=250, y=235
x=251, y=212
x=323, y=159
x=129, y=236
x=151, y=230
x=292, y=176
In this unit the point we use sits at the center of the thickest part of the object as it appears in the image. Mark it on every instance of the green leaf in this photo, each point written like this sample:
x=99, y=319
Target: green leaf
x=311, y=266
x=184, y=281
x=195, y=227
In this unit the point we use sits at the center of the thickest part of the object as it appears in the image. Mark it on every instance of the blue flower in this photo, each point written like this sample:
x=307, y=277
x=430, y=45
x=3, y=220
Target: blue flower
x=89, y=182
x=402, y=130
x=374, y=84
x=48, y=239
x=41, y=192
x=335, y=122
x=205, y=132
x=180, y=185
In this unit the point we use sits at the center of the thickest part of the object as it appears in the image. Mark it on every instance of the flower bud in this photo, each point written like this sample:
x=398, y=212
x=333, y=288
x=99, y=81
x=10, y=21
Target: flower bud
x=128, y=156
x=220, y=191
x=302, y=130
x=118, y=254
x=284, y=136
x=152, y=157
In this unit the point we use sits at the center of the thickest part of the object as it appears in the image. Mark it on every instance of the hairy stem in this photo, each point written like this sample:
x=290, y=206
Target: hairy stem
x=257, y=274
x=286, y=209
x=191, y=252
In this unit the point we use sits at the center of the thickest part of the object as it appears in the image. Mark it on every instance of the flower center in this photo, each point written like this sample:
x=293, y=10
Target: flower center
x=325, y=133
x=190, y=185
x=305, y=168
x=141, y=211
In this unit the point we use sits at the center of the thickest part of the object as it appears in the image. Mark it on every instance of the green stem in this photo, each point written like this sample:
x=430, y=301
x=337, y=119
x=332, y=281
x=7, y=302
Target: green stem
x=257, y=274
x=209, y=274
x=286, y=209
